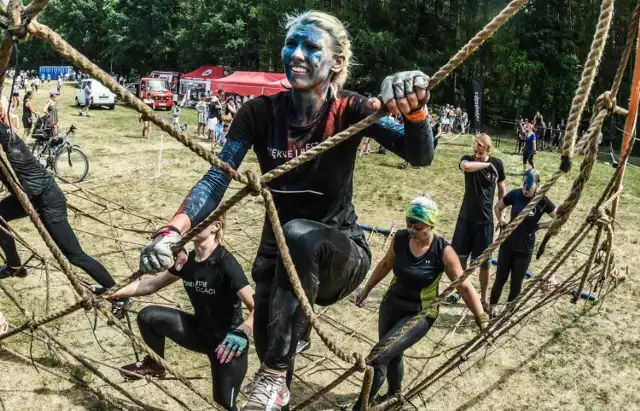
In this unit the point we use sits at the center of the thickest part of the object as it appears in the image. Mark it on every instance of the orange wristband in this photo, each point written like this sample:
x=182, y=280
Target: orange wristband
x=418, y=116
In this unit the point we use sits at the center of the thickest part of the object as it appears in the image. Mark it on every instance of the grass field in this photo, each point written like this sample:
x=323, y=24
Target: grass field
x=559, y=360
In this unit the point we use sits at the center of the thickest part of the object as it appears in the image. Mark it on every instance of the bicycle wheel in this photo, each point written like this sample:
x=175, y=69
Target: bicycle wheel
x=71, y=164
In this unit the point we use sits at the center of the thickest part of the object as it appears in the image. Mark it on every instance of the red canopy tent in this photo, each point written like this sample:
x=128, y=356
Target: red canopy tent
x=204, y=73
x=198, y=82
x=246, y=83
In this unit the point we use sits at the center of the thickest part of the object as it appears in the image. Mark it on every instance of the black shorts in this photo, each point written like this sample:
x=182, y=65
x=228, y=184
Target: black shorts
x=471, y=238
x=527, y=156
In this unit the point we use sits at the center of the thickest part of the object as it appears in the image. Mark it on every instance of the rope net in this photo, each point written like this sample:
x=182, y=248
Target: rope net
x=126, y=225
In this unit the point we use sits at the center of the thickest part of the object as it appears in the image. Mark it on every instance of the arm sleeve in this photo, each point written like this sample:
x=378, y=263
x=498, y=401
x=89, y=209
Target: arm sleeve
x=412, y=141
x=508, y=199
x=205, y=196
x=500, y=170
x=233, y=270
x=464, y=158
x=548, y=206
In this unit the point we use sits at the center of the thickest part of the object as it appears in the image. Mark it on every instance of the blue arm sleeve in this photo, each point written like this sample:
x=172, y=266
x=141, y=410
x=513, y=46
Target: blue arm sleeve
x=205, y=196
x=412, y=142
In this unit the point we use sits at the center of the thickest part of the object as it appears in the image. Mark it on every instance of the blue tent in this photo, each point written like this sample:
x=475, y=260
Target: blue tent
x=54, y=71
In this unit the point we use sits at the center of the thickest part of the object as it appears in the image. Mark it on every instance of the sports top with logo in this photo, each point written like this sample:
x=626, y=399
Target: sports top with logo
x=416, y=279
x=212, y=287
x=523, y=238
x=479, y=190
x=321, y=189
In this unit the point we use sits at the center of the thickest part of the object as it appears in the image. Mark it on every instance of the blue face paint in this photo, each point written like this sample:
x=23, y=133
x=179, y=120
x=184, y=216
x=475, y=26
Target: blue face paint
x=307, y=57
x=411, y=233
x=529, y=180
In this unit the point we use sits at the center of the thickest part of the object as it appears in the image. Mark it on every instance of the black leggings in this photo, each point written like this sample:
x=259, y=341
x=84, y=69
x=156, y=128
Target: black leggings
x=156, y=323
x=51, y=207
x=513, y=262
x=527, y=157
x=330, y=266
x=393, y=315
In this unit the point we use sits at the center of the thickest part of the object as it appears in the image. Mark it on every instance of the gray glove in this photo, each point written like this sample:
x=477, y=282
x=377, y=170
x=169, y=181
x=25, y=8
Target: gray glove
x=159, y=253
x=399, y=85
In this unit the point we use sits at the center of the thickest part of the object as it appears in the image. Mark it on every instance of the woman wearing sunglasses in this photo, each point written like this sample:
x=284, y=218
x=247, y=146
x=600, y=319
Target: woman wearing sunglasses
x=418, y=257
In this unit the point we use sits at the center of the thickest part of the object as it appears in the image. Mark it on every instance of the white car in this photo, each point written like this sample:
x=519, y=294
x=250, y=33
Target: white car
x=100, y=95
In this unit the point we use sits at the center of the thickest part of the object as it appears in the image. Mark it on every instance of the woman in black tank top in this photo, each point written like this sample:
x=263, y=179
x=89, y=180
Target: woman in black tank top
x=418, y=258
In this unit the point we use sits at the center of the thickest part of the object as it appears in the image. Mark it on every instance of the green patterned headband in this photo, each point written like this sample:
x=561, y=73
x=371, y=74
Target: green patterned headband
x=421, y=213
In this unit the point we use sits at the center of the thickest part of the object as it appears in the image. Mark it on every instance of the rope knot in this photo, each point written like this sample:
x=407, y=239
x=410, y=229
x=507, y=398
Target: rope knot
x=607, y=100
x=253, y=184
x=360, y=362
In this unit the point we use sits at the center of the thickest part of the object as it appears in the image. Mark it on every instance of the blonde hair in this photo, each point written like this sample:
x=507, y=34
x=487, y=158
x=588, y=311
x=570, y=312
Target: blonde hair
x=223, y=227
x=484, y=141
x=338, y=33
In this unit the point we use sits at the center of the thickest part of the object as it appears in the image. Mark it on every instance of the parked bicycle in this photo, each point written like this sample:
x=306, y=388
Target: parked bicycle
x=56, y=153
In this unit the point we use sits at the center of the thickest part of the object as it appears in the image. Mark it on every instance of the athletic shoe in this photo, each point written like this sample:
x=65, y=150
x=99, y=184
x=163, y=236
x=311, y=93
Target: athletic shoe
x=269, y=392
x=303, y=346
x=146, y=367
x=6, y=272
x=120, y=306
x=246, y=390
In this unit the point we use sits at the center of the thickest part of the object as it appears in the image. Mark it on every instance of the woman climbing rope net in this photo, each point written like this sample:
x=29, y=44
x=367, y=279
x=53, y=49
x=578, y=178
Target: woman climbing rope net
x=314, y=202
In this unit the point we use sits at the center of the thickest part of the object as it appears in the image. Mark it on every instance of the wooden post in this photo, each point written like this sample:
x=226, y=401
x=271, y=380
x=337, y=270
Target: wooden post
x=630, y=125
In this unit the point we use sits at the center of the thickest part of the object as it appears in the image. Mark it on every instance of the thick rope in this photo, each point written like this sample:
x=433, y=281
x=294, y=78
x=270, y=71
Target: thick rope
x=8, y=172
x=36, y=6
x=326, y=388
x=32, y=325
x=588, y=77
x=590, y=157
x=13, y=14
x=355, y=358
x=590, y=261
x=376, y=351
x=51, y=336
x=81, y=62
x=509, y=11
x=628, y=48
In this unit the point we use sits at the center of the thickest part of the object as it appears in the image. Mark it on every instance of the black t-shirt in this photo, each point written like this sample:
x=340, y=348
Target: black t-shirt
x=32, y=176
x=212, y=286
x=321, y=189
x=213, y=111
x=523, y=238
x=479, y=189
x=416, y=279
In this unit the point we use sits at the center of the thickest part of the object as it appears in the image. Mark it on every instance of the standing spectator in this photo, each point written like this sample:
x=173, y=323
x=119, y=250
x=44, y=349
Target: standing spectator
x=51, y=109
x=529, y=148
x=48, y=78
x=465, y=121
x=213, y=118
x=15, y=94
x=175, y=116
x=27, y=114
x=201, y=108
x=146, y=122
x=36, y=84
x=87, y=99
x=59, y=84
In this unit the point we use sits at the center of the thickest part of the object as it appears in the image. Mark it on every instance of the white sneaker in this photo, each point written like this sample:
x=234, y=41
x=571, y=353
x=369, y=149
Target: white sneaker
x=269, y=392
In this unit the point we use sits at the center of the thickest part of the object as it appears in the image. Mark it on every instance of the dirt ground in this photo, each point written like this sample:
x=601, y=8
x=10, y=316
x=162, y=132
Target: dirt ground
x=562, y=358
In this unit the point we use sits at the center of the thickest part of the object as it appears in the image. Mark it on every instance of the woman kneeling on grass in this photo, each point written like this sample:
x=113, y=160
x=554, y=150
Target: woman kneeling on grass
x=515, y=253
x=215, y=284
x=417, y=257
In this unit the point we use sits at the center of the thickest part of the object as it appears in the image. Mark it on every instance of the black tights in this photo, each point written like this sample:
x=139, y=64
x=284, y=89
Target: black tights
x=392, y=317
x=330, y=266
x=51, y=207
x=156, y=323
x=513, y=262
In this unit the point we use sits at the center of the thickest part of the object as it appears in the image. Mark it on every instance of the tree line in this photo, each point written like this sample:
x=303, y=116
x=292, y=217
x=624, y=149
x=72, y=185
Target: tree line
x=533, y=63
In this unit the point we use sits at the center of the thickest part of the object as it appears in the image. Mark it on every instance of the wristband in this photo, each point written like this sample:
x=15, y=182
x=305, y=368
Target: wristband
x=418, y=115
